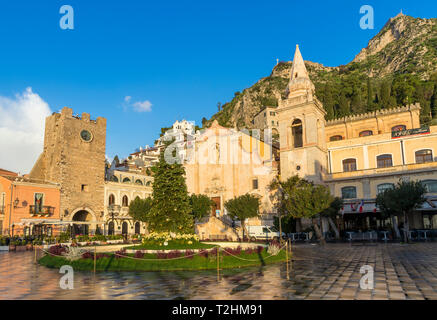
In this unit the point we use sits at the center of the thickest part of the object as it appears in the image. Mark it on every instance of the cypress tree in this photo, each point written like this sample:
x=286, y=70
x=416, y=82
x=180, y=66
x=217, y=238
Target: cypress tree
x=343, y=106
x=385, y=95
x=434, y=103
x=356, y=103
x=170, y=210
x=328, y=102
x=370, y=95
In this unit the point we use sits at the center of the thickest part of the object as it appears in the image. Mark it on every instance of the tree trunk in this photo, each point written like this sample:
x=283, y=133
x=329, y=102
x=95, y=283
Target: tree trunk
x=334, y=227
x=318, y=232
x=406, y=228
x=298, y=225
x=395, y=227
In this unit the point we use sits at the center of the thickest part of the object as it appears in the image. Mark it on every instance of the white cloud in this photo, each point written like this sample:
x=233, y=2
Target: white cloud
x=22, y=121
x=142, y=106
x=127, y=98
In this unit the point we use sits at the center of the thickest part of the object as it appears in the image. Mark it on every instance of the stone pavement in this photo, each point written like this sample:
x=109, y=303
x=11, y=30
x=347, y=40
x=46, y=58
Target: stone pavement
x=333, y=271
x=330, y=272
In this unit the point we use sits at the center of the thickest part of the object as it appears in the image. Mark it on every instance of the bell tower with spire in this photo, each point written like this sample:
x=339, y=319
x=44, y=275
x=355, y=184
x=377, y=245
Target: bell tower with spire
x=301, y=120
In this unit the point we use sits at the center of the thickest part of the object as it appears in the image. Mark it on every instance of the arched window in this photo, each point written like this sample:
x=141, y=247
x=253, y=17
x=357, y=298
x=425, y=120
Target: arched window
x=126, y=180
x=384, y=161
x=349, y=193
x=113, y=179
x=125, y=201
x=148, y=183
x=111, y=199
x=349, y=165
x=384, y=186
x=110, y=228
x=137, y=227
x=400, y=127
x=366, y=133
x=124, y=228
x=297, y=132
x=430, y=186
x=423, y=156
x=139, y=182
x=336, y=138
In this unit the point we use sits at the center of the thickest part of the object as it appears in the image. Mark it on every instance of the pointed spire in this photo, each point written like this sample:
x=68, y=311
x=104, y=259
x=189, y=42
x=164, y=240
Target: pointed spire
x=300, y=82
x=299, y=70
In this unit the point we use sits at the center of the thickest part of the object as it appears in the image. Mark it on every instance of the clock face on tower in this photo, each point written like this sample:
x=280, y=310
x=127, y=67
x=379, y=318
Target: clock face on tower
x=86, y=135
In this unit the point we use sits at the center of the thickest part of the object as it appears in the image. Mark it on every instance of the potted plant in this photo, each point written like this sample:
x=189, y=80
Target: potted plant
x=20, y=245
x=12, y=245
x=3, y=244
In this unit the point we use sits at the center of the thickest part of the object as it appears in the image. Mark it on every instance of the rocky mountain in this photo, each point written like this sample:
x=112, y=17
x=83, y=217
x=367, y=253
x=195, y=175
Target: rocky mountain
x=398, y=66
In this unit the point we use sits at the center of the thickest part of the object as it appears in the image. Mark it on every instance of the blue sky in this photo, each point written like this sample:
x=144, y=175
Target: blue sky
x=181, y=56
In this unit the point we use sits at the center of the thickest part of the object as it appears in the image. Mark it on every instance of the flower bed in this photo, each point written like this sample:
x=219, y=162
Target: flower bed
x=170, y=241
x=164, y=261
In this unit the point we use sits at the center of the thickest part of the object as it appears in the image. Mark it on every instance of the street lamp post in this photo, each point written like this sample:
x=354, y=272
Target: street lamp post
x=113, y=210
x=283, y=194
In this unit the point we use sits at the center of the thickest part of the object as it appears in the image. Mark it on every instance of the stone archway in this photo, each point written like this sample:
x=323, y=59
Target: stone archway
x=81, y=216
x=124, y=228
x=111, y=228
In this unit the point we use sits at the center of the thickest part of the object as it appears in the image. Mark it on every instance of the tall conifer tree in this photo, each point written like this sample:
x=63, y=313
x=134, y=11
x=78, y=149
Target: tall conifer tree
x=170, y=208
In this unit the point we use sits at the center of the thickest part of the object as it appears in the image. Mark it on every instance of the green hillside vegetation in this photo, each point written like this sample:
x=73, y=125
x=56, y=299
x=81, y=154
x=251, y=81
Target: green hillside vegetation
x=403, y=72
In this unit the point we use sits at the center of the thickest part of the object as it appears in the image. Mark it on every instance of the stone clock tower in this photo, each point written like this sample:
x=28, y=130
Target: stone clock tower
x=74, y=157
x=301, y=120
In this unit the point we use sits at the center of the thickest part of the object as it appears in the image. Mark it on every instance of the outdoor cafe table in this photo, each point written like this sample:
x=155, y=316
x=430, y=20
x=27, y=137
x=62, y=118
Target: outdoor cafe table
x=293, y=236
x=424, y=232
x=296, y=234
x=385, y=235
x=350, y=233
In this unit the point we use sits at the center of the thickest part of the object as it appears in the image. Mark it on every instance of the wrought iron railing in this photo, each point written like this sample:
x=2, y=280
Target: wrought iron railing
x=2, y=209
x=41, y=210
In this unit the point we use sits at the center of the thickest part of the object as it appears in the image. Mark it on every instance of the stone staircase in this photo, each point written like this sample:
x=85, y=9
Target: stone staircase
x=213, y=228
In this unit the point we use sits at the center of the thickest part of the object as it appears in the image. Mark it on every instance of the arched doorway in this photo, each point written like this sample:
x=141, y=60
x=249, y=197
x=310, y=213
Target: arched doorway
x=81, y=216
x=137, y=228
x=124, y=228
x=111, y=228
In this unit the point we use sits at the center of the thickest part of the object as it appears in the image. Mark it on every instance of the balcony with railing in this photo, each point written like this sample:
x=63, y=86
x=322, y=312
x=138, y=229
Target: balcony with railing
x=41, y=210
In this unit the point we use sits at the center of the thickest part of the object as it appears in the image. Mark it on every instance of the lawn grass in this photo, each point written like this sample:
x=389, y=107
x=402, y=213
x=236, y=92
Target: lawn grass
x=195, y=263
x=171, y=246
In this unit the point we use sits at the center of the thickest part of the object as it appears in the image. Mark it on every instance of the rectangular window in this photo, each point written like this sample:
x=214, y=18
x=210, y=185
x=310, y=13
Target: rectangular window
x=38, y=202
x=384, y=161
x=84, y=188
x=255, y=184
x=2, y=203
x=349, y=193
x=349, y=165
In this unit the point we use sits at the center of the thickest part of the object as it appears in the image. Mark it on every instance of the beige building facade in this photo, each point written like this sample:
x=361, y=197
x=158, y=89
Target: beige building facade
x=357, y=156
x=120, y=190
